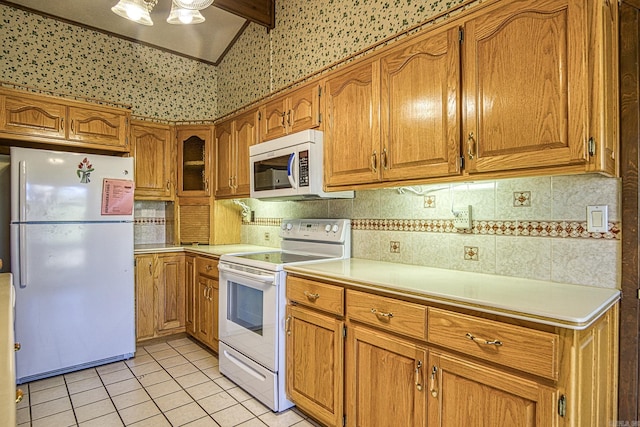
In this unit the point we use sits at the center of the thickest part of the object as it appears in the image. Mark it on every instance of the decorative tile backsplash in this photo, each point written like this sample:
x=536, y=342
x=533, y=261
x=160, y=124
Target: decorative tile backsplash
x=546, y=239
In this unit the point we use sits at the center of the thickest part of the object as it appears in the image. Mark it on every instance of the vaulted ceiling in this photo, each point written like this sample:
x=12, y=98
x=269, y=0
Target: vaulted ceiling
x=207, y=42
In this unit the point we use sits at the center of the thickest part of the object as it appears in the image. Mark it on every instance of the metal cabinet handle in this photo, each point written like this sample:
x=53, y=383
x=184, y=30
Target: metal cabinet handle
x=383, y=159
x=150, y=269
x=283, y=114
x=206, y=185
x=62, y=123
x=470, y=146
x=374, y=161
x=289, y=118
x=311, y=297
x=19, y=395
x=16, y=346
x=381, y=315
x=208, y=267
x=168, y=185
x=287, y=324
x=432, y=385
x=483, y=341
x=418, y=382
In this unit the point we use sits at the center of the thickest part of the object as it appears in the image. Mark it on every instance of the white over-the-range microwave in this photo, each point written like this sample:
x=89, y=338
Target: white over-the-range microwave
x=290, y=168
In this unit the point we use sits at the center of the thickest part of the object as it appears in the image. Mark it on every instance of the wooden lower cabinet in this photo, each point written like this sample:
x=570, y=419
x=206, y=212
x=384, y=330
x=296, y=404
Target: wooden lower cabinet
x=385, y=377
x=160, y=295
x=190, y=294
x=469, y=369
x=205, y=300
x=315, y=363
x=463, y=393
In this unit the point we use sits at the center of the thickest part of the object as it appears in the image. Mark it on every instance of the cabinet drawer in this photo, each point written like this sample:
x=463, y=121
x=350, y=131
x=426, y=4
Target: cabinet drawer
x=314, y=294
x=207, y=266
x=525, y=349
x=388, y=313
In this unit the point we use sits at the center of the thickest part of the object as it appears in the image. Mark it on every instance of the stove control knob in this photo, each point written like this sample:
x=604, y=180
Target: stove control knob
x=327, y=228
x=335, y=228
x=289, y=226
x=283, y=226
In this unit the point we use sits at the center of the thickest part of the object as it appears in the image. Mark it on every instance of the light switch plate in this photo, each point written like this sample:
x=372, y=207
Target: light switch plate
x=598, y=219
x=462, y=218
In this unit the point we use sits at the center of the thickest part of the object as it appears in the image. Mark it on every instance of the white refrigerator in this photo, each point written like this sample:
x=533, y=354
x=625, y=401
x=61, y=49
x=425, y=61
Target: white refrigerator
x=72, y=260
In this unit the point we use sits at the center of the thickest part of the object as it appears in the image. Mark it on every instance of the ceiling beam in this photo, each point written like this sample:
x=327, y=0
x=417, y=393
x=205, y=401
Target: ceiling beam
x=262, y=12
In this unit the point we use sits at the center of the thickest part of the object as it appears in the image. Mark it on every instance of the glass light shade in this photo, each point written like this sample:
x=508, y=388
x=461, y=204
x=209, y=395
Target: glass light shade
x=182, y=16
x=133, y=10
x=193, y=4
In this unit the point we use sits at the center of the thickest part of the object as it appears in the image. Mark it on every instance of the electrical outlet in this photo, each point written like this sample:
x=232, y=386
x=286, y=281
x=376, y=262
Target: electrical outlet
x=462, y=218
x=267, y=236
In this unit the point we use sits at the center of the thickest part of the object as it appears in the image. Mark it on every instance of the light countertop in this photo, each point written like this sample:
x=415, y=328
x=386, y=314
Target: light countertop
x=557, y=304
x=215, y=250
x=7, y=356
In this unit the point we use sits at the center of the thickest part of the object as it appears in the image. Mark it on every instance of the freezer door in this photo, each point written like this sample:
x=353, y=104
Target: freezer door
x=55, y=186
x=74, y=296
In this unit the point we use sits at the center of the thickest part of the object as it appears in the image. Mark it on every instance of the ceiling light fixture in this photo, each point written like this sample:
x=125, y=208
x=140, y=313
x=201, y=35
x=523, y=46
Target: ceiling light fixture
x=193, y=4
x=135, y=10
x=182, y=11
x=182, y=16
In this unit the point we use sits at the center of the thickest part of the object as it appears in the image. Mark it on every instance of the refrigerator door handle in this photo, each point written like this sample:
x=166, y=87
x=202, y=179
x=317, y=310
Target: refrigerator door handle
x=22, y=191
x=22, y=255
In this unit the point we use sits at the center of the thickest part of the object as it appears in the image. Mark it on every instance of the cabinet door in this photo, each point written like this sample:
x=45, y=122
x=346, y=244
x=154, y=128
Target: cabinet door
x=29, y=116
x=463, y=393
x=273, y=120
x=420, y=103
x=303, y=111
x=204, y=321
x=153, y=157
x=194, y=161
x=525, y=85
x=145, y=299
x=245, y=134
x=225, y=157
x=352, y=131
x=385, y=380
x=99, y=127
x=190, y=294
x=170, y=292
x=314, y=364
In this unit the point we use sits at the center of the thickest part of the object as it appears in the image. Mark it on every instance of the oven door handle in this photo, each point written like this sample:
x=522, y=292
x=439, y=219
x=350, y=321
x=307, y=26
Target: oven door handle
x=262, y=278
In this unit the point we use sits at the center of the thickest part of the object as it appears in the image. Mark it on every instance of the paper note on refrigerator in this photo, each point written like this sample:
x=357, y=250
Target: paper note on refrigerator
x=117, y=196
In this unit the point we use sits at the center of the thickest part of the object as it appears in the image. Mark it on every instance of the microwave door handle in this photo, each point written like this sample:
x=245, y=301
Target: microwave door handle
x=290, y=171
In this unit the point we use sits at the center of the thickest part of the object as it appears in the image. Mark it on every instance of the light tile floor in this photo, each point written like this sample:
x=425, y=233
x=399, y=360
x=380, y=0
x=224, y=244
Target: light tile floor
x=170, y=383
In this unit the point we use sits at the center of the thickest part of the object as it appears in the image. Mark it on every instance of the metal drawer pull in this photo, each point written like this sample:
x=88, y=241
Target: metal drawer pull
x=381, y=315
x=310, y=296
x=481, y=341
x=418, y=383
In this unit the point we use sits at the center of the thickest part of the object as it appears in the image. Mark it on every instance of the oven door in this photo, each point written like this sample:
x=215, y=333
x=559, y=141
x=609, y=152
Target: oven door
x=248, y=312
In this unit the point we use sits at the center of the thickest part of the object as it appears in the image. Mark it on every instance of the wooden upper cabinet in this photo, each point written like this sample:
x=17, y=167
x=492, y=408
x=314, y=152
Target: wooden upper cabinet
x=225, y=158
x=194, y=160
x=98, y=126
x=352, y=130
x=604, y=95
x=525, y=85
x=47, y=119
x=419, y=108
x=31, y=116
x=152, y=151
x=233, y=139
x=298, y=110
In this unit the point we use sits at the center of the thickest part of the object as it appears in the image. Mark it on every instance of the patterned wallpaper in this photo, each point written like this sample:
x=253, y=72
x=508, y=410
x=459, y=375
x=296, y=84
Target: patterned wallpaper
x=309, y=36
x=52, y=55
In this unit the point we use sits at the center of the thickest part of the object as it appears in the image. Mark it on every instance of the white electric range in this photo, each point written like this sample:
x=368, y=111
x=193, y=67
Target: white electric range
x=252, y=304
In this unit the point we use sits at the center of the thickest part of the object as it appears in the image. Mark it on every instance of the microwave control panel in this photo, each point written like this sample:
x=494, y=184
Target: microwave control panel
x=303, y=168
